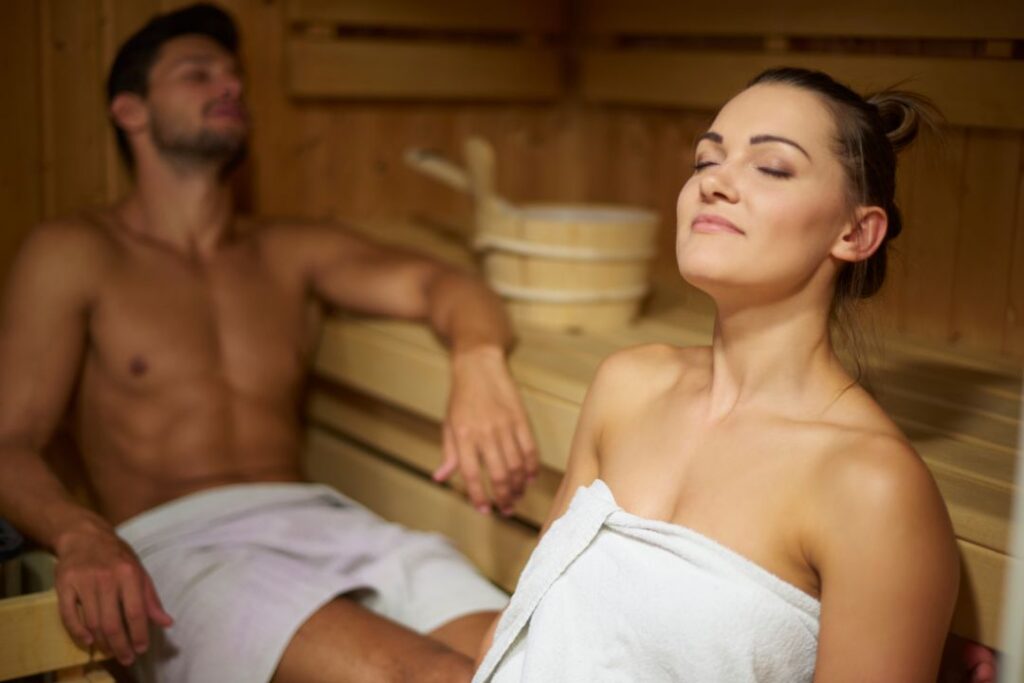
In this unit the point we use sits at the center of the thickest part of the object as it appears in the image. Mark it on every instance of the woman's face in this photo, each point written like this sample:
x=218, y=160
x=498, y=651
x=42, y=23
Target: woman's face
x=766, y=202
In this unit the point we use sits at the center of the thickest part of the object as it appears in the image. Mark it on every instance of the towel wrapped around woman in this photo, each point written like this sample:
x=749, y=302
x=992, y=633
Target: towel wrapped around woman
x=610, y=596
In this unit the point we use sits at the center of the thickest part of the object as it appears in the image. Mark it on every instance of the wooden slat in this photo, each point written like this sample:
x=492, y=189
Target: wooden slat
x=351, y=354
x=33, y=639
x=871, y=18
x=927, y=246
x=21, y=163
x=412, y=441
x=985, y=245
x=979, y=605
x=1013, y=337
x=497, y=15
x=392, y=69
x=74, y=110
x=968, y=91
x=498, y=547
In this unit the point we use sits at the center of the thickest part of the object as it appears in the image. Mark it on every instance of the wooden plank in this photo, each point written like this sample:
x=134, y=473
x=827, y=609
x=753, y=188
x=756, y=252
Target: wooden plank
x=524, y=15
x=74, y=158
x=394, y=69
x=958, y=420
x=352, y=355
x=498, y=547
x=33, y=639
x=928, y=244
x=21, y=201
x=875, y=18
x=969, y=92
x=979, y=605
x=984, y=250
x=1013, y=338
x=412, y=441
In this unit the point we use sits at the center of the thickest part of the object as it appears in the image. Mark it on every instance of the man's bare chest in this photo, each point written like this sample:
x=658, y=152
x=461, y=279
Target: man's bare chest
x=160, y=320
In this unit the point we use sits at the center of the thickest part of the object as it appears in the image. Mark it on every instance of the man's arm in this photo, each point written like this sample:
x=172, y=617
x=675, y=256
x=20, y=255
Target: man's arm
x=486, y=426
x=42, y=338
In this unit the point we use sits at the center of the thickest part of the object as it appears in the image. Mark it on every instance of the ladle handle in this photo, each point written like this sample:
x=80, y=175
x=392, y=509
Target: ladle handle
x=431, y=163
x=481, y=164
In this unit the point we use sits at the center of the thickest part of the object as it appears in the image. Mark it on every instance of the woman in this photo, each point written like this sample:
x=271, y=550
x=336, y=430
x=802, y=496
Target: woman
x=747, y=512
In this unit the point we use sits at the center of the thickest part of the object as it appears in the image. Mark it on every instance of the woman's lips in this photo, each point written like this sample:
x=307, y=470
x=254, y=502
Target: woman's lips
x=711, y=224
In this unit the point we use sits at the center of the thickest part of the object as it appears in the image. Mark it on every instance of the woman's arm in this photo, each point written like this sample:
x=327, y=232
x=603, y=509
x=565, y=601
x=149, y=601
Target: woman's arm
x=610, y=389
x=883, y=546
x=581, y=467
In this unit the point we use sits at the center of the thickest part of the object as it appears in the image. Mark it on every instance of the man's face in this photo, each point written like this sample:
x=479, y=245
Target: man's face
x=196, y=110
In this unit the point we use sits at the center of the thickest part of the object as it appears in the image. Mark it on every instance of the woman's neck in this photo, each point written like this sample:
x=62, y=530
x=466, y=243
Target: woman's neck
x=775, y=356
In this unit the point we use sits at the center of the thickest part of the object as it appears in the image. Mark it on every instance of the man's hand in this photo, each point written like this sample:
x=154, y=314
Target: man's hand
x=486, y=424
x=106, y=597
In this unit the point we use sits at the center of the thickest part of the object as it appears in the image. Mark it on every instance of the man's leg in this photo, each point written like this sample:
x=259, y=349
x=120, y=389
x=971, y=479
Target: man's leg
x=344, y=641
x=465, y=633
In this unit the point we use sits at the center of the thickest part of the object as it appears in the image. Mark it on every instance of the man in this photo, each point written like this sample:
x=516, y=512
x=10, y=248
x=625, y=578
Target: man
x=177, y=332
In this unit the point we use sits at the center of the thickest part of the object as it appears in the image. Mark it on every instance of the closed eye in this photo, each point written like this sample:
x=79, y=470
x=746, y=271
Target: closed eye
x=774, y=172
x=701, y=165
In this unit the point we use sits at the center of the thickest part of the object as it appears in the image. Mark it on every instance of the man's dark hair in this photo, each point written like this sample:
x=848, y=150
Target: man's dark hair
x=130, y=70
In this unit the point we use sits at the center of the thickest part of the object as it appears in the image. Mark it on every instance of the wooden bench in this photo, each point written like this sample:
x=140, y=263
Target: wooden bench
x=32, y=637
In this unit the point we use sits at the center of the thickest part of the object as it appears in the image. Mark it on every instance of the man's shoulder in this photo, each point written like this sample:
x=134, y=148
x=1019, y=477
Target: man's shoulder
x=70, y=242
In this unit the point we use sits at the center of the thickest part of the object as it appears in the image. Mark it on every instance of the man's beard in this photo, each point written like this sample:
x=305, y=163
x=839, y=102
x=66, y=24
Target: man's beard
x=200, y=148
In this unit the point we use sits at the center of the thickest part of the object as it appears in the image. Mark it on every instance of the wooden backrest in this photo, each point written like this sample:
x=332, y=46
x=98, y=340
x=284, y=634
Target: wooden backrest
x=962, y=55
x=404, y=49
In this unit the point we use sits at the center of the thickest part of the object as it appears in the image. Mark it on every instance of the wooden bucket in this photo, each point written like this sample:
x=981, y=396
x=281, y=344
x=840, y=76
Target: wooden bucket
x=558, y=266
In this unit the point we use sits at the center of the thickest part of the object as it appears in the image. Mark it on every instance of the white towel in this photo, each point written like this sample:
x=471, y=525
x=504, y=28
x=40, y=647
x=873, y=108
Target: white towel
x=241, y=567
x=610, y=596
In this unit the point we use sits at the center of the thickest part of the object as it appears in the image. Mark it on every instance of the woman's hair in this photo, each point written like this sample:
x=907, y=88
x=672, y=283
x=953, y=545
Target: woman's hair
x=869, y=132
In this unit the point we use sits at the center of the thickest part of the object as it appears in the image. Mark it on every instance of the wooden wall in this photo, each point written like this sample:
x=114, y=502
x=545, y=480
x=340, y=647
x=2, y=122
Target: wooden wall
x=959, y=274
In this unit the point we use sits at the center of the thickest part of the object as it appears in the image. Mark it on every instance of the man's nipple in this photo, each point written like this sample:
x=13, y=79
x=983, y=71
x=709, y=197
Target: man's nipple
x=138, y=366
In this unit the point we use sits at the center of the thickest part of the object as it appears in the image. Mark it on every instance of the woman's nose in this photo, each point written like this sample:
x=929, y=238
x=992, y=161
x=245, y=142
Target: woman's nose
x=717, y=183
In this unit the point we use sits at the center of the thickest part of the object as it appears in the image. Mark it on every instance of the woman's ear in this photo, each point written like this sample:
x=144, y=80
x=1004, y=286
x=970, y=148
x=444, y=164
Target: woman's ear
x=863, y=235
x=129, y=112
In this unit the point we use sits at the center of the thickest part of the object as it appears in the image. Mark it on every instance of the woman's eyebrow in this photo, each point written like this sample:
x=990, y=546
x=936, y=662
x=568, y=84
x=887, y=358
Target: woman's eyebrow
x=778, y=138
x=718, y=139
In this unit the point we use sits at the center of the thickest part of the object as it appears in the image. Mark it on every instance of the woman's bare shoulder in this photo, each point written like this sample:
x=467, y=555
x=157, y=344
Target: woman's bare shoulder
x=631, y=379
x=650, y=368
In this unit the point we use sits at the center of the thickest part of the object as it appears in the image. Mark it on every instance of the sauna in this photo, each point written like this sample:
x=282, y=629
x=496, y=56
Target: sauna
x=475, y=132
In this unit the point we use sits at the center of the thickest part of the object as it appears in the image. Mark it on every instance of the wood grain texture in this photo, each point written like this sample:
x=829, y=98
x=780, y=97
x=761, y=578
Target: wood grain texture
x=393, y=69
x=1013, y=336
x=32, y=638
x=537, y=15
x=985, y=240
x=914, y=18
x=970, y=92
x=21, y=192
x=75, y=112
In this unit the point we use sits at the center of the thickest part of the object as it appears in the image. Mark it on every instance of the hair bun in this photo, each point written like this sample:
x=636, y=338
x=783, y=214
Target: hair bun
x=902, y=114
